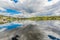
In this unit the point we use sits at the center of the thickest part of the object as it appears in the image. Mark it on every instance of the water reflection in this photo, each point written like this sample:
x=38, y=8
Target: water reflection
x=50, y=27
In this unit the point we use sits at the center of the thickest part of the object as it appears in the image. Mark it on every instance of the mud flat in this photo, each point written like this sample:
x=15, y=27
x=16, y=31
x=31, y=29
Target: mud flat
x=29, y=32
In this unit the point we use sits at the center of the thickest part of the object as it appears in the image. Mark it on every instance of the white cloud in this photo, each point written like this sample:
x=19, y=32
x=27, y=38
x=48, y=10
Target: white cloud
x=6, y=14
x=32, y=7
x=52, y=2
x=35, y=8
x=2, y=9
x=22, y=1
x=57, y=12
x=6, y=4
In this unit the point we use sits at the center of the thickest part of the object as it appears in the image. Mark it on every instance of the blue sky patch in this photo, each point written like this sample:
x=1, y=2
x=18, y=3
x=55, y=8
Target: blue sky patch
x=49, y=0
x=10, y=11
x=15, y=1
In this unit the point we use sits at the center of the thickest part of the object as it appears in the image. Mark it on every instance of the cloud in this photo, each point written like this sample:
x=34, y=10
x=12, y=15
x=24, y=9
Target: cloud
x=35, y=9
x=32, y=7
x=2, y=9
x=52, y=2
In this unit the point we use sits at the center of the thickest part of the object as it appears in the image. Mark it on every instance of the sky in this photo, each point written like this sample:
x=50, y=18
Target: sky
x=15, y=1
x=49, y=0
x=29, y=7
x=10, y=11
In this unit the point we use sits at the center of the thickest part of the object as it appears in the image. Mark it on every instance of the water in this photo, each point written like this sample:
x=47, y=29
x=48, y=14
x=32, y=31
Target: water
x=13, y=26
x=52, y=28
x=53, y=38
x=10, y=26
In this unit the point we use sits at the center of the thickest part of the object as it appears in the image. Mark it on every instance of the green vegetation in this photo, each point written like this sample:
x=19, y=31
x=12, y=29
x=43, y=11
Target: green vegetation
x=6, y=19
x=45, y=18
